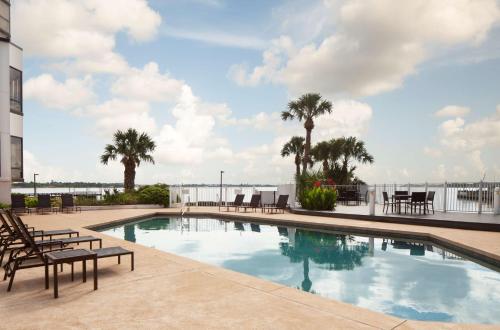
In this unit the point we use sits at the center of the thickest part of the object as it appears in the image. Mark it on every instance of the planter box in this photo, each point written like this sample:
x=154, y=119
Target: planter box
x=121, y=207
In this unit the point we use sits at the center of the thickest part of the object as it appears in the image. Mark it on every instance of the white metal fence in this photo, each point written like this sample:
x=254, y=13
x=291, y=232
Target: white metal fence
x=475, y=197
x=211, y=195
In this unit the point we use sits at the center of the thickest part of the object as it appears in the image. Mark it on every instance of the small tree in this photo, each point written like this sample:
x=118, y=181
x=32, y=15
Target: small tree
x=294, y=147
x=133, y=148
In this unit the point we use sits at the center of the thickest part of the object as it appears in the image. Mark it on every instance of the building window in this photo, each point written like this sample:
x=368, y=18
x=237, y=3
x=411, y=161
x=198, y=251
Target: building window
x=16, y=90
x=16, y=154
x=4, y=20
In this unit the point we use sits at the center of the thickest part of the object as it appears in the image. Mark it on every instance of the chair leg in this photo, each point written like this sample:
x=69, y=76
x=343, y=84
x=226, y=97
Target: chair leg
x=11, y=281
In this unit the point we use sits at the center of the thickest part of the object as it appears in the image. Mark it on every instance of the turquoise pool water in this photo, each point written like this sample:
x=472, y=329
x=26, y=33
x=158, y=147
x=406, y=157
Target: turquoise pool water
x=407, y=279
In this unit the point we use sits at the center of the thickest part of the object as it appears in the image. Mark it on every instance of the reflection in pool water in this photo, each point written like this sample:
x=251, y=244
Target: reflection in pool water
x=407, y=279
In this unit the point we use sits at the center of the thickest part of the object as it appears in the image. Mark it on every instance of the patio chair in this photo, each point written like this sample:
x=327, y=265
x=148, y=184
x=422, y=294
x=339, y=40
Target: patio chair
x=254, y=203
x=281, y=205
x=417, y=199
x=43, y=204
x=430, y=201
x=18, y=204
x=387, y=203
x=31, y=254
x=68, y=204
x=238, y=202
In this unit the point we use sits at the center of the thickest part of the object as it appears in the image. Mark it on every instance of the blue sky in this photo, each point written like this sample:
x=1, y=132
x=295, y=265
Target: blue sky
x=207, y=80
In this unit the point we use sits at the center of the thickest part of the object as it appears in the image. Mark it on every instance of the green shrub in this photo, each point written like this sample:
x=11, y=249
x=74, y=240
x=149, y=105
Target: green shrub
x=318, y=198
x=4, y=206
x=31, y=201
x=155, y=194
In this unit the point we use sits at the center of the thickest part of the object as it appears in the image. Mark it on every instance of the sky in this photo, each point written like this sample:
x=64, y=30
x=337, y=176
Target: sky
x=207, y=80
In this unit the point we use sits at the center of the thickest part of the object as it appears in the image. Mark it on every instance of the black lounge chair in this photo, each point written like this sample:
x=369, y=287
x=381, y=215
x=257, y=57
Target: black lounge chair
x=68, y=204
x=31, y=254
x=43, y=204
x=18, y=204
x=9, y=240
x=281, y=205
x=238, y=202
x=254, y=203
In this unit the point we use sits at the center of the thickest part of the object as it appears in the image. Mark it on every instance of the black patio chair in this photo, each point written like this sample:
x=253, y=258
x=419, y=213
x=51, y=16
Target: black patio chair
x=430, y=201
x=254, y=203
x=18, y=204
x=281, y=205
x=238, y=202
x=387, y=203
x=417, y=199
x=43, y=204
x=68, y=204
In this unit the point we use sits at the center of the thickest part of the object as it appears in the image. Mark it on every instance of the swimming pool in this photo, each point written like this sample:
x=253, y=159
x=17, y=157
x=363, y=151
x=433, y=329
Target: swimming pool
x=413, y=280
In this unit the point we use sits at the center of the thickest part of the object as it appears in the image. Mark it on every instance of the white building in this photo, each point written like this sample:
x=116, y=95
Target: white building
x=11, y=107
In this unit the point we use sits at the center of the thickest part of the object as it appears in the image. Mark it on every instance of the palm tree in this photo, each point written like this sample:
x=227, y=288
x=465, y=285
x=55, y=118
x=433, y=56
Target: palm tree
x=306, y=108
x=133, y=148
x=328, y=153
x=353, y=149
x=294, y=147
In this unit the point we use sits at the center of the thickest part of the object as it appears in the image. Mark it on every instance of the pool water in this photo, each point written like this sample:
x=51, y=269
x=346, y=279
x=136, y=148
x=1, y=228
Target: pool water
x=412, y=280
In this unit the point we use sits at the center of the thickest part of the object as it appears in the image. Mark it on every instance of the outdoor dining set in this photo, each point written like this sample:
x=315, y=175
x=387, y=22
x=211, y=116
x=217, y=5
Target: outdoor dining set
x=402, y=199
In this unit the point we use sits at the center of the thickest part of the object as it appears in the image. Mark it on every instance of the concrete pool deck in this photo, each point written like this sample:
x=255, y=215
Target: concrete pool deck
x=170, y=291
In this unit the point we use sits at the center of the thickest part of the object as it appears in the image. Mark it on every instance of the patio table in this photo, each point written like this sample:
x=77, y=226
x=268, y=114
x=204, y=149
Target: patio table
x=397, y=199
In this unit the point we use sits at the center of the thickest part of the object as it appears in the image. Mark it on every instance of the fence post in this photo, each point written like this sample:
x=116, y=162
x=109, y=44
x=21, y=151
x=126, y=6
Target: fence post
x=444, y=196
x=480, y=198
x=409, y=187
x=196, y=192
x=426, y=188
x=372, y=195
x=496, y=201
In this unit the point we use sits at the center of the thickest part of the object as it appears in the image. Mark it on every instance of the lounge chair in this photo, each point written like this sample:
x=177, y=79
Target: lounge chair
x=31, y=255
x=18, y=204
x=254, y=203
x=281, y=205
x=238, y=202
x=43, y=204
x=10, y=239
x=68, y=204
x=19, y=228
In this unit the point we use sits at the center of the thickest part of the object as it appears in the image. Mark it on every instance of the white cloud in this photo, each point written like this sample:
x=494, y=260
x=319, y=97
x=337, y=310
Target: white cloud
x=186, y=141
x=218, y=38
x=433, y=152
x=147, y=84
x=348, y=118
x=372, y=50
x=121, y=114
x=66, y=95
x=452, y=111
x=460, y=135
x=81, y=31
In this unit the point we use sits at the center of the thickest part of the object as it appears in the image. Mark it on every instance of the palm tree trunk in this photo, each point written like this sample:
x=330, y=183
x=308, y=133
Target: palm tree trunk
x=325, y=168
x=297, y=166
x=307, y=149
x=129, y=177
